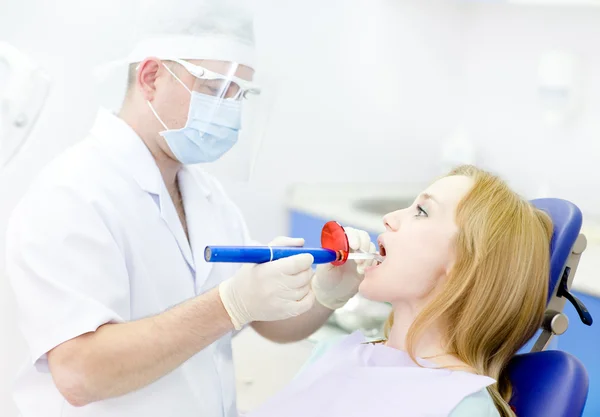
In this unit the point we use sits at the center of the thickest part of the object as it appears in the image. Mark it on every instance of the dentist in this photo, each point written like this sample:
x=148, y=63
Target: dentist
x=105, y=252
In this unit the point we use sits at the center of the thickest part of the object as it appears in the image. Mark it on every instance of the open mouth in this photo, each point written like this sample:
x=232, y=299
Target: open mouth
x=382, y=252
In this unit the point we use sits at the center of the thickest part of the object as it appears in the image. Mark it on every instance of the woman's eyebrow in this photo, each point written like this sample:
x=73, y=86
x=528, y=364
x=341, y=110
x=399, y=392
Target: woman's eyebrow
x=427, y=196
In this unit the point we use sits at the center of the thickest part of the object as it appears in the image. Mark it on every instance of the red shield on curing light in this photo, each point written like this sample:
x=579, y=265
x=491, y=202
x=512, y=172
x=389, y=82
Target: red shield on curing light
x=333, y=237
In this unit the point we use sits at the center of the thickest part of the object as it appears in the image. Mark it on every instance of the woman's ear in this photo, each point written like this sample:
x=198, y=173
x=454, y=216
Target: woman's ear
x=451, y=259
x=449, y=268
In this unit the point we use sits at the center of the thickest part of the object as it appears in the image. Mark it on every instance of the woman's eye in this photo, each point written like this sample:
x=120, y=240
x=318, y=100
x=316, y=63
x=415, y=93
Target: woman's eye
x=421, y=212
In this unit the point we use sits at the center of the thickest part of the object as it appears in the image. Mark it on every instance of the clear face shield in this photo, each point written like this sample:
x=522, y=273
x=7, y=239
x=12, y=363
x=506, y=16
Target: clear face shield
x=223, y=119
x=239, y=164
x=24, y=88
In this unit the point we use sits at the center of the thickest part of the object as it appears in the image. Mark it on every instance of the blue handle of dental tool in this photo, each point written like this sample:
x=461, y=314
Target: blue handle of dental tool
x=262, y=254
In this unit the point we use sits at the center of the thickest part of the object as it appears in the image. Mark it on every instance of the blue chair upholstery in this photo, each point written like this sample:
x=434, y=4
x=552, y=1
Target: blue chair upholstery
x=552, y=383
x=548, y=384
x=567, y=220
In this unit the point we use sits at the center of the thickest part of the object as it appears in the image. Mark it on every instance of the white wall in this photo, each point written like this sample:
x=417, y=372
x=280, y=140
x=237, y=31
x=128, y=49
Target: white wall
x=367, y=89
x=504, y=45
x=440, y=65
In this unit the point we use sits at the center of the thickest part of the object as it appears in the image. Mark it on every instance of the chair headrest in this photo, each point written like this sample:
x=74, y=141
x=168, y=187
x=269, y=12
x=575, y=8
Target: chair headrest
x=567, y=220
x=548, y=383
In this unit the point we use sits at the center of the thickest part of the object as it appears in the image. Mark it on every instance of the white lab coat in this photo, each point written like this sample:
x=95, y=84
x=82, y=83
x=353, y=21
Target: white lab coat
x=97, y=239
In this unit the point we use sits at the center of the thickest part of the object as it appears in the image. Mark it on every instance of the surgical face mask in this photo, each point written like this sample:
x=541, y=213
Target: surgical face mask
x=212, y=128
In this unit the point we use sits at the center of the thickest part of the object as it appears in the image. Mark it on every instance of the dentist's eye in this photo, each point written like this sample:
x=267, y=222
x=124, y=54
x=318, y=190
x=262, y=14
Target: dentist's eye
x=421, y=212
x=210, y=87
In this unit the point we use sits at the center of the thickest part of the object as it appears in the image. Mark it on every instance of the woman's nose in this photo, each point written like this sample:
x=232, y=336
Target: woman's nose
x=391, y=221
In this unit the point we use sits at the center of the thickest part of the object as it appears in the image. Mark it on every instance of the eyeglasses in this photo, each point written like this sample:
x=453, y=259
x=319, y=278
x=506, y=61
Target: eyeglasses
x=219, y=85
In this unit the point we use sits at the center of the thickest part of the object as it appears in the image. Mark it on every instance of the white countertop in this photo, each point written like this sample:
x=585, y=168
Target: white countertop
x=337, y=202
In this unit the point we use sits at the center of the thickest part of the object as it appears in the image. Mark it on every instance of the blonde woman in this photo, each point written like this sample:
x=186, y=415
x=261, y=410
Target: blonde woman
x=466, y=272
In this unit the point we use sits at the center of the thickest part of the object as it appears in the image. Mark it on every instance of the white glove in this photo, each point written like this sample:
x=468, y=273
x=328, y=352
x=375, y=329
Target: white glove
x=271, y=291
x=335, y=285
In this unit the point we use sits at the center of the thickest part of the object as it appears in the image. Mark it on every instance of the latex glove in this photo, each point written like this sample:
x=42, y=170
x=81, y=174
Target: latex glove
x=335, y=285
x=271, y=291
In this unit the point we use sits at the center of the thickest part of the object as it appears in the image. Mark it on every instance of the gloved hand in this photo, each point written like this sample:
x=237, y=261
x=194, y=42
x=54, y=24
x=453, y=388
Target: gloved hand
x=335, y=285
x=271, y=291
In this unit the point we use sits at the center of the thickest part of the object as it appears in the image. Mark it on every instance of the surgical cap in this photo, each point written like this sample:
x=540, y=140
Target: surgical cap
x=219, y=30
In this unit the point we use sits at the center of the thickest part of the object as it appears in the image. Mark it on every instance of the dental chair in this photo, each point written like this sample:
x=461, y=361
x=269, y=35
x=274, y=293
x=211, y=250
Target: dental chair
x=551, y=383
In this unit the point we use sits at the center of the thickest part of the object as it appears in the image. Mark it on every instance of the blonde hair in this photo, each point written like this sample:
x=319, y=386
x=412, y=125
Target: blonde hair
x=494, y=298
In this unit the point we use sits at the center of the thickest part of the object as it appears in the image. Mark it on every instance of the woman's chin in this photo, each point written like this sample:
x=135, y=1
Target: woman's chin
x=369, y=290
